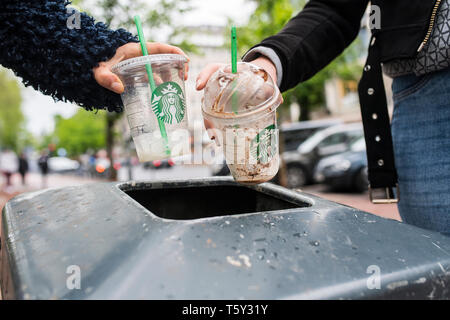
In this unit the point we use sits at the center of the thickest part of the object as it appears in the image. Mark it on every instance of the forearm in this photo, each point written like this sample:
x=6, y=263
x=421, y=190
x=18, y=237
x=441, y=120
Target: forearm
x=312, y=39
x=54, y=59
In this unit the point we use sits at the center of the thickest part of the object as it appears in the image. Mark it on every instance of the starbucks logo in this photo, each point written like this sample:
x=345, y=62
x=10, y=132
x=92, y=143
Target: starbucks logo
x=265, y=145
x=168, y=103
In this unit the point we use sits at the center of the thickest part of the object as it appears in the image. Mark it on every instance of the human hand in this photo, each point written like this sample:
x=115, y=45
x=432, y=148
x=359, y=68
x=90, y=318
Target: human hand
x=209, y=70
x=110, y=81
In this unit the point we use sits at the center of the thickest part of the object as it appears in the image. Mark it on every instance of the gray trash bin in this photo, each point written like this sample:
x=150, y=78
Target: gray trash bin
x=211, y=239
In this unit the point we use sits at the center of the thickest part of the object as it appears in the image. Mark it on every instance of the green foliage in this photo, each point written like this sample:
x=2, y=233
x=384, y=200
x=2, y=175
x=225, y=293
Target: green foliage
x=157, y=18
x=81, y=132
x=11, y=116
x=269, y=17
x=158, y=22
x=26, y=139
x=311, y=93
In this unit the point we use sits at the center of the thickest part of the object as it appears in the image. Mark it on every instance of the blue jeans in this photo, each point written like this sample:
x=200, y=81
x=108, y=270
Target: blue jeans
x=421, y=136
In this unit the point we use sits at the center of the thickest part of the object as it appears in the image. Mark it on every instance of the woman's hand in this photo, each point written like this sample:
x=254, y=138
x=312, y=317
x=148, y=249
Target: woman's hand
x=111, y=81
x=209, y=70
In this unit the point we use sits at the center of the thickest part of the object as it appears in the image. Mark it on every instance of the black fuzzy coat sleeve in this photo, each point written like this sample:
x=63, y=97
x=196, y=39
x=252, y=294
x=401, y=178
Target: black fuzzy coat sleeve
x=36, y=43
x=314, y=37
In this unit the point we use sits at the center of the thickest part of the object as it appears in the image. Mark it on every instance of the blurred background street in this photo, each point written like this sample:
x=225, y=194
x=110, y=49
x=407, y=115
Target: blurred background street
x=321, y=138
x=34, y=182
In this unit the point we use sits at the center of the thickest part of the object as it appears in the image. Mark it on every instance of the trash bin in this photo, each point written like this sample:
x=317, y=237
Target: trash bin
x=211, y=239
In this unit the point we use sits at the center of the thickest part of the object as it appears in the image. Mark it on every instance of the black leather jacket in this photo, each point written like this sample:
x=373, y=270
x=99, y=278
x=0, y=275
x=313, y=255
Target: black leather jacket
x=324, y=28
x=36, y=43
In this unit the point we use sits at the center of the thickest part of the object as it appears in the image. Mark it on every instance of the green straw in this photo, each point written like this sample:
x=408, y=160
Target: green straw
x=234, y=98
x=148, y=67
x=233, y=50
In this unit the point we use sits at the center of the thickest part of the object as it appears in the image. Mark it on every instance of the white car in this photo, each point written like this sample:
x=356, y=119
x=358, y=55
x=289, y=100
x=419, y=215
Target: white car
x=300, y=164
x=62, y=164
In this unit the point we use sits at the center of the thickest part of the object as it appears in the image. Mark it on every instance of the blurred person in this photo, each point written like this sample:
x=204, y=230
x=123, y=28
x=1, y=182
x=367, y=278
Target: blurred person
x=411, y=44
x=43, y=166
x=23, y=167
x=8, y=166
x=84, y=161
x=67, y=62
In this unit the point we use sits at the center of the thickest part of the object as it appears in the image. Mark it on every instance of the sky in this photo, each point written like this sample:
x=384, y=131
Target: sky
x=39, y=110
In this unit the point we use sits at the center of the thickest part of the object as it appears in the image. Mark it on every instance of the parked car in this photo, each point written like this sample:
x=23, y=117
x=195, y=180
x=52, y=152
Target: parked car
x=300, y=163
x=63, y=165
x=345, y=171
x=291, y=136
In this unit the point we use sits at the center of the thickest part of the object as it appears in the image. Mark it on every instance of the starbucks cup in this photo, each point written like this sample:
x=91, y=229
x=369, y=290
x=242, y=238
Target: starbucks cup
x=241, y=108
x=158, y=118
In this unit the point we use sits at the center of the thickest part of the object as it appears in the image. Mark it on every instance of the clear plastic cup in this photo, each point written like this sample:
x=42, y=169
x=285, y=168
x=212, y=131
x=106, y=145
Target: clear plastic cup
x=241, y=109
x=158, y=120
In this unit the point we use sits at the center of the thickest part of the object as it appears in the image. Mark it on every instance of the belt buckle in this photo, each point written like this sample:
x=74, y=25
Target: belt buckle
x=388, y=198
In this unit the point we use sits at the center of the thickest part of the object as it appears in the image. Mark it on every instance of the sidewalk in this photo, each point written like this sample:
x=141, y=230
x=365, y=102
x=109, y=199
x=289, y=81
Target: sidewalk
x=34, y=183
x=356, y=200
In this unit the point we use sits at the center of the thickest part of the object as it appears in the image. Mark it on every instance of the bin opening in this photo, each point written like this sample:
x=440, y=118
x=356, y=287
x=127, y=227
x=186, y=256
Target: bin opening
x=209, y=201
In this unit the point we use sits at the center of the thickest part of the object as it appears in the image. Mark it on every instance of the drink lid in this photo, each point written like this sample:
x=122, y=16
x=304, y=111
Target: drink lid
x=250, y=91
x=131, y=65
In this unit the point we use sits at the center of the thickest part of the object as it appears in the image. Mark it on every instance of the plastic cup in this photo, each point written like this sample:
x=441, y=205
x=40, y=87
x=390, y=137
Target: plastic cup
x=158, y=120
x=241, y=108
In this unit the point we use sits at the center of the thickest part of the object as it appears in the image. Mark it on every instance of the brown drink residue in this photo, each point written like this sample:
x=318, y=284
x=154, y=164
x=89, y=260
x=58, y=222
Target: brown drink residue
x=251, y=91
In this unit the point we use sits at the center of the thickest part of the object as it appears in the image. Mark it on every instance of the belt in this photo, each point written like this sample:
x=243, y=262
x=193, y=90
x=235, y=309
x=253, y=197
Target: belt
x=382, y=173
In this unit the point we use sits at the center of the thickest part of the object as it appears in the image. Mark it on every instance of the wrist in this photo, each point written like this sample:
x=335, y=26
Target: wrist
x=269, y=59
x=267, y=65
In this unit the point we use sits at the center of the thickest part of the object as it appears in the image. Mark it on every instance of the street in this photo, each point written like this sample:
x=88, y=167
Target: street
x=34, y=182
x=356, y=200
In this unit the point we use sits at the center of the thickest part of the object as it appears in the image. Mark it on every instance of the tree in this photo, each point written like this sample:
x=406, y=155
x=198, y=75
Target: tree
x=158, y=25
x=158, y=16
x=11, y=116
x=82, y=132
x=269, y=17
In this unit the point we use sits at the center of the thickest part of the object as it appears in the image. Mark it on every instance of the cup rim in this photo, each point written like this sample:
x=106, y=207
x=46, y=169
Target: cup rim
x=142, y=60
x=274, y=102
